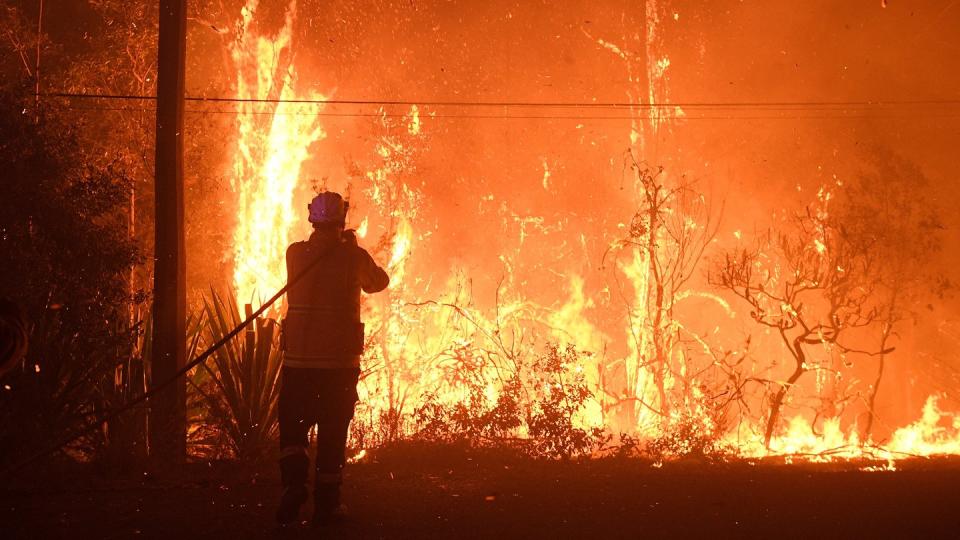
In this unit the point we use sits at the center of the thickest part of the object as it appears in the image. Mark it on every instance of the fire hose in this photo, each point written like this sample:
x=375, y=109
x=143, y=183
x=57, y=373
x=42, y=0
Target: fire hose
x=113, y=415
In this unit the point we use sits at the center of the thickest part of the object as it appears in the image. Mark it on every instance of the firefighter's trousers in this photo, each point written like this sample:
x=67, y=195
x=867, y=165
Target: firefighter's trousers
x=316, y=397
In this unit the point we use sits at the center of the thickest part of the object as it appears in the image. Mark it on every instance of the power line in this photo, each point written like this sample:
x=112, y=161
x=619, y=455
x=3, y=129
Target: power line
x=673, y=118
x=532, y=104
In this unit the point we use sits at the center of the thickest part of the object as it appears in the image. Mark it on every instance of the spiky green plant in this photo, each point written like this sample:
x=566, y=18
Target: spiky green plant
x=239, y=382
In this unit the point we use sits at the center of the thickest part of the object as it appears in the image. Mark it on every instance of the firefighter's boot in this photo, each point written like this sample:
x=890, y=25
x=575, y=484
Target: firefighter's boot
x=293, y=475
x=326, y=500
x=326, y=516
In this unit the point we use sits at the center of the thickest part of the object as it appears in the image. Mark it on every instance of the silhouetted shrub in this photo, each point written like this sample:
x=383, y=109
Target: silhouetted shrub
x=66, y=256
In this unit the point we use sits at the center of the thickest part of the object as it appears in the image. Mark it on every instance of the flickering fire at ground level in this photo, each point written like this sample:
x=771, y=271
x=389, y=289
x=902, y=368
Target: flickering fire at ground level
x=420, y=493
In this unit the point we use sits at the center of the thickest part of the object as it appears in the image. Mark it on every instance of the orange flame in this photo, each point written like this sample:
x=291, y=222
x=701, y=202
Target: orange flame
x=271, y=150
x=415, y=339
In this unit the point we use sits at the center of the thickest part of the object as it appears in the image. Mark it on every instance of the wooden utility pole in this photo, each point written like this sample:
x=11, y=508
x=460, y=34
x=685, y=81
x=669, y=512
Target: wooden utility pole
x=168, y=408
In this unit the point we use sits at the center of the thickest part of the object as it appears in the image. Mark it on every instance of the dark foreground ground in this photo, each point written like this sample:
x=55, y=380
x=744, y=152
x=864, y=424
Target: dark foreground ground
x=413, y=493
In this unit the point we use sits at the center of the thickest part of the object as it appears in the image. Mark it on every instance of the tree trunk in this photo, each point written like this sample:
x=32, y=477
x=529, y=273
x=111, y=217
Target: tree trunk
x=778, y=398
x=872, y=401
x=656, y=278
x=777, y=403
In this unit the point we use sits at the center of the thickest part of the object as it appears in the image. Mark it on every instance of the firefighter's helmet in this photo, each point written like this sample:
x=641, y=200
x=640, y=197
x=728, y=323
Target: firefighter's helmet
x=328, y=207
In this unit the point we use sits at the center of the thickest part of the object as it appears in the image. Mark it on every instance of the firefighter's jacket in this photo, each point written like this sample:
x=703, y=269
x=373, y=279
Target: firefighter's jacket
x=323, y=328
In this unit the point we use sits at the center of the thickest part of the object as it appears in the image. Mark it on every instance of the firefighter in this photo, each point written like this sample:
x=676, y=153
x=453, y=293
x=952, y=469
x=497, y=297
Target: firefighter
x=323, y=340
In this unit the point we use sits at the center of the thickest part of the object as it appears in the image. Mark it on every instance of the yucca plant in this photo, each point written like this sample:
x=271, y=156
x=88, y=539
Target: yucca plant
x=239, y=382
x=133, y=384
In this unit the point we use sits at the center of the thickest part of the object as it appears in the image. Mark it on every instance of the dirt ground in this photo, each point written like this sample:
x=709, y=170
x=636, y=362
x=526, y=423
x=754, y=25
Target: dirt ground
x=423, y=493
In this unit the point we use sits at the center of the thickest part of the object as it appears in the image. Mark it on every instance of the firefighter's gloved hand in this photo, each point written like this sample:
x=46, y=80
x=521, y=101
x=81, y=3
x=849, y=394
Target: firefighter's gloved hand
x=350, y=237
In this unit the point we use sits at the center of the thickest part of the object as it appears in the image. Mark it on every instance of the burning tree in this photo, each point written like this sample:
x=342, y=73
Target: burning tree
x=813, y=285
x=271, y=150
x=666, y=241
x=886, y=216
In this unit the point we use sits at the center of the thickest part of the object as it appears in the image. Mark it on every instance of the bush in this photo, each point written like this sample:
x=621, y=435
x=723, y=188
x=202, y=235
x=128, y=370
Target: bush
x=536, y=407
x=689, y=436
x=66, y=258
x=561, y=394
x=239, y=388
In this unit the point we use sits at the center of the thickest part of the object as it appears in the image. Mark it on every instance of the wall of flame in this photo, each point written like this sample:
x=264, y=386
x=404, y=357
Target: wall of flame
x=543, y=284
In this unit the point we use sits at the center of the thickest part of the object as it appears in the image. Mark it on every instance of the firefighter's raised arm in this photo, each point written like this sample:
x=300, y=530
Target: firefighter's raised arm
x=373, y=278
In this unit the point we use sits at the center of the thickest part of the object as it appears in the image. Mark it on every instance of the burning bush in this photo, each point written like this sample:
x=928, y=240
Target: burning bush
x=561, y=393
x=536, y=408
x=475, y=420
x=689, y=436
